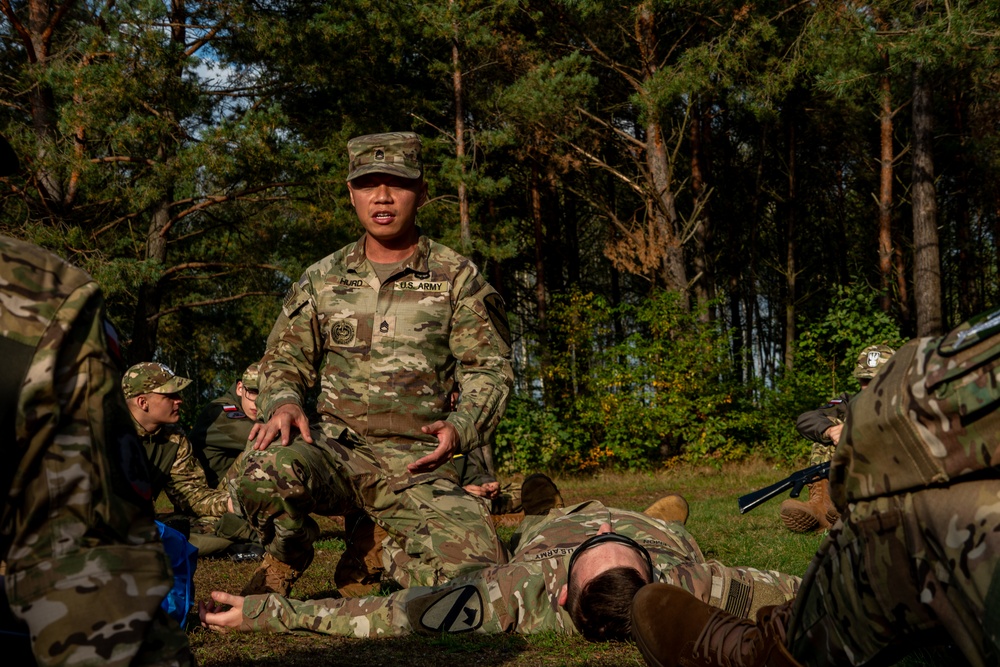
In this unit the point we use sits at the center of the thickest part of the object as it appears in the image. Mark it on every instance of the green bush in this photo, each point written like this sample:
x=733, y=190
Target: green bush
x=828, y=348
x=666, y=391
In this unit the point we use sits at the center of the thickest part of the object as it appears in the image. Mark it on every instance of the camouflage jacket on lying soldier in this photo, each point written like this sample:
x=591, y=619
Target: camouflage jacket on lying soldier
x=941, y=424
x=522, y=596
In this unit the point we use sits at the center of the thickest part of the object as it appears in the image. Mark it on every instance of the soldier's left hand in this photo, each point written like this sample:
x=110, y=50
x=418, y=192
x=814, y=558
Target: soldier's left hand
x=447, y=436
x=215, y=615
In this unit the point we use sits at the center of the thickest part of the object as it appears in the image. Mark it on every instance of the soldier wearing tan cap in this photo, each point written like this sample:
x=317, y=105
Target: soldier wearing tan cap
x=386, y=327
x=152, y=392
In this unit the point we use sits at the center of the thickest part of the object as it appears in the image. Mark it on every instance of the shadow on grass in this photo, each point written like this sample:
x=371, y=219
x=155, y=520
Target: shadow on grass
x=213, y=650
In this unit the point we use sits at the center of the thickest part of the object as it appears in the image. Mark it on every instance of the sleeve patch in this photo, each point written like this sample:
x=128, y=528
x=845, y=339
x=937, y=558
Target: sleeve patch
x=294, y=299
x=498, y=316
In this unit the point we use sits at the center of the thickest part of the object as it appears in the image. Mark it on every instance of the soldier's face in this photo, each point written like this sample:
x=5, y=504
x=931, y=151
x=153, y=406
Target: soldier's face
x=387, y=205
x=164, y=408
x=248, y=400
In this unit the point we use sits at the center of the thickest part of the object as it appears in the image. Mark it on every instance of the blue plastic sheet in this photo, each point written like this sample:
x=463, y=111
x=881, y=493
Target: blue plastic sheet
x=183, y=560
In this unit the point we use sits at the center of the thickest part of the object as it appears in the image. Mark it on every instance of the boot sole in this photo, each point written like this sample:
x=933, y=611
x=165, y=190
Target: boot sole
x=799, y=521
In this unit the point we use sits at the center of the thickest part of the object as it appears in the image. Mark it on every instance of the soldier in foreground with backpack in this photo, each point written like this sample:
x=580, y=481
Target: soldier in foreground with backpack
x=912, y=561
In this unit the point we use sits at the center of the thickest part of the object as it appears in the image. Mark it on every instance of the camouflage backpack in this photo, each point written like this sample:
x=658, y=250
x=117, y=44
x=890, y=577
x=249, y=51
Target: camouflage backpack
x=928, y=417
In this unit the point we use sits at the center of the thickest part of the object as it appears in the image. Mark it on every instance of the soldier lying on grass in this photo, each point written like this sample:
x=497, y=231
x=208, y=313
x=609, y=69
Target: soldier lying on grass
x=573, y=570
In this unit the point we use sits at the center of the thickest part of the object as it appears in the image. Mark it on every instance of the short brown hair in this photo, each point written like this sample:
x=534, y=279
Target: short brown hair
x=601, y=609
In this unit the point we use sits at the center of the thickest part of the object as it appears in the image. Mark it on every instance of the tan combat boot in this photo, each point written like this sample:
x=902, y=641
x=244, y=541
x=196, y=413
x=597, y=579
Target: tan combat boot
x=671, y=507
x=359, y=570
x=673, y=628
x=823, y=501
x=818, y=513
x=272, y=576
x=539, y=494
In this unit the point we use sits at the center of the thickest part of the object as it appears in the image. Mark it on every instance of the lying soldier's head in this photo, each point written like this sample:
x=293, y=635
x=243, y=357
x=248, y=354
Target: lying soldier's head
x=604, y=574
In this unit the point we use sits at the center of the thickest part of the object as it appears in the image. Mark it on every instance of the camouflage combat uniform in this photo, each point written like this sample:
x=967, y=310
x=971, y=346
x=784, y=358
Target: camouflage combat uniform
x=220, y=435
x=176, y=472
x=522, y=595
x=915, y=477
x=85, y=569
x=386, y=357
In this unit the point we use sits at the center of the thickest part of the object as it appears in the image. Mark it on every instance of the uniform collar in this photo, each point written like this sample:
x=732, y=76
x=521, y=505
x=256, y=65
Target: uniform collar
x=143, y=433
x=417, y=262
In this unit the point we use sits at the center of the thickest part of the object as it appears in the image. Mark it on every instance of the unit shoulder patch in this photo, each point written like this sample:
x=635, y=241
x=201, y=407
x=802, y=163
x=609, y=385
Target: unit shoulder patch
x=498, y=316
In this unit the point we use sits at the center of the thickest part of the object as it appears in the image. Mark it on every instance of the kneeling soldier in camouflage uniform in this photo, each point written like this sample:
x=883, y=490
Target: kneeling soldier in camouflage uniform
x=152, y=393
x=823, y=426
x=386, y=328
x=85, y=569
x=574, y=570
x=913, y=560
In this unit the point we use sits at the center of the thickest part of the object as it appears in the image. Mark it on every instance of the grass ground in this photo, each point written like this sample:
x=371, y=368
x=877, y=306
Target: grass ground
x=756, y=539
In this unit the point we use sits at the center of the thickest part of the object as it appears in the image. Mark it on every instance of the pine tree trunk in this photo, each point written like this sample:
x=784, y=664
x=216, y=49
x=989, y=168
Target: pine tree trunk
x=661, y=206
x=704, y=281
x=885, y=187
x=926, y=254
x=969, y=267
x=540, y=303
x=790, y=270
x=465, y=225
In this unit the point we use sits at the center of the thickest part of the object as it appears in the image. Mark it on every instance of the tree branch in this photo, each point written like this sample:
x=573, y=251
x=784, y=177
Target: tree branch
x=621, y=133
x=212, y=200
x=208, y=302
x=123, y=158
x=20, y=29
x=56, y=20
x=207, y=265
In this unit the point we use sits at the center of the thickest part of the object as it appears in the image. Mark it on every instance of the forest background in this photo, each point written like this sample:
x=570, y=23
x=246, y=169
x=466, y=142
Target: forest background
x=698, y=212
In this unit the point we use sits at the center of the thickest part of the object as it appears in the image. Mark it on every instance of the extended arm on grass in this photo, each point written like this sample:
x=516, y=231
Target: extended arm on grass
x=215, y=615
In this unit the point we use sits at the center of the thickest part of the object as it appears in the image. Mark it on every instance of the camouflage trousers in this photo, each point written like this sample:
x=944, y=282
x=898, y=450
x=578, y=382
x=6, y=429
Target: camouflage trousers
x=821, y=453
x=436, y=530
x=902, y=571
x=508, y=501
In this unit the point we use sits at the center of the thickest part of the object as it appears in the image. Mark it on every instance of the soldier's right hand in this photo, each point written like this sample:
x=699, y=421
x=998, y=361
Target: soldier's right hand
x=282, y=422
x=834, y=433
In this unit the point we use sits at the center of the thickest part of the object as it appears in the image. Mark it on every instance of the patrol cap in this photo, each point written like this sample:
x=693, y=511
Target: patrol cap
x=396, y=153
x=871, y=360
x=251, y=377
x=151, y=377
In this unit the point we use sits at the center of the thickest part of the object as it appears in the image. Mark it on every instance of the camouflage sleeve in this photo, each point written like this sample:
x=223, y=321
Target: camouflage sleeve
x=294, y=347
x=491, y=601
x=480, y=342
x=364, y=617
x=813, y=424
x=188, y=489
x=85, y=569
x=738, y=590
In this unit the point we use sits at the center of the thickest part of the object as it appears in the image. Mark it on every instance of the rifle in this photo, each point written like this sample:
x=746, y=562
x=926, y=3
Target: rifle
x=795, y=482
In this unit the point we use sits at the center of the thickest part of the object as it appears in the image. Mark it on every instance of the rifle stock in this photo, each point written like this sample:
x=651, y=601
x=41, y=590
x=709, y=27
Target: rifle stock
x=795, y=482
